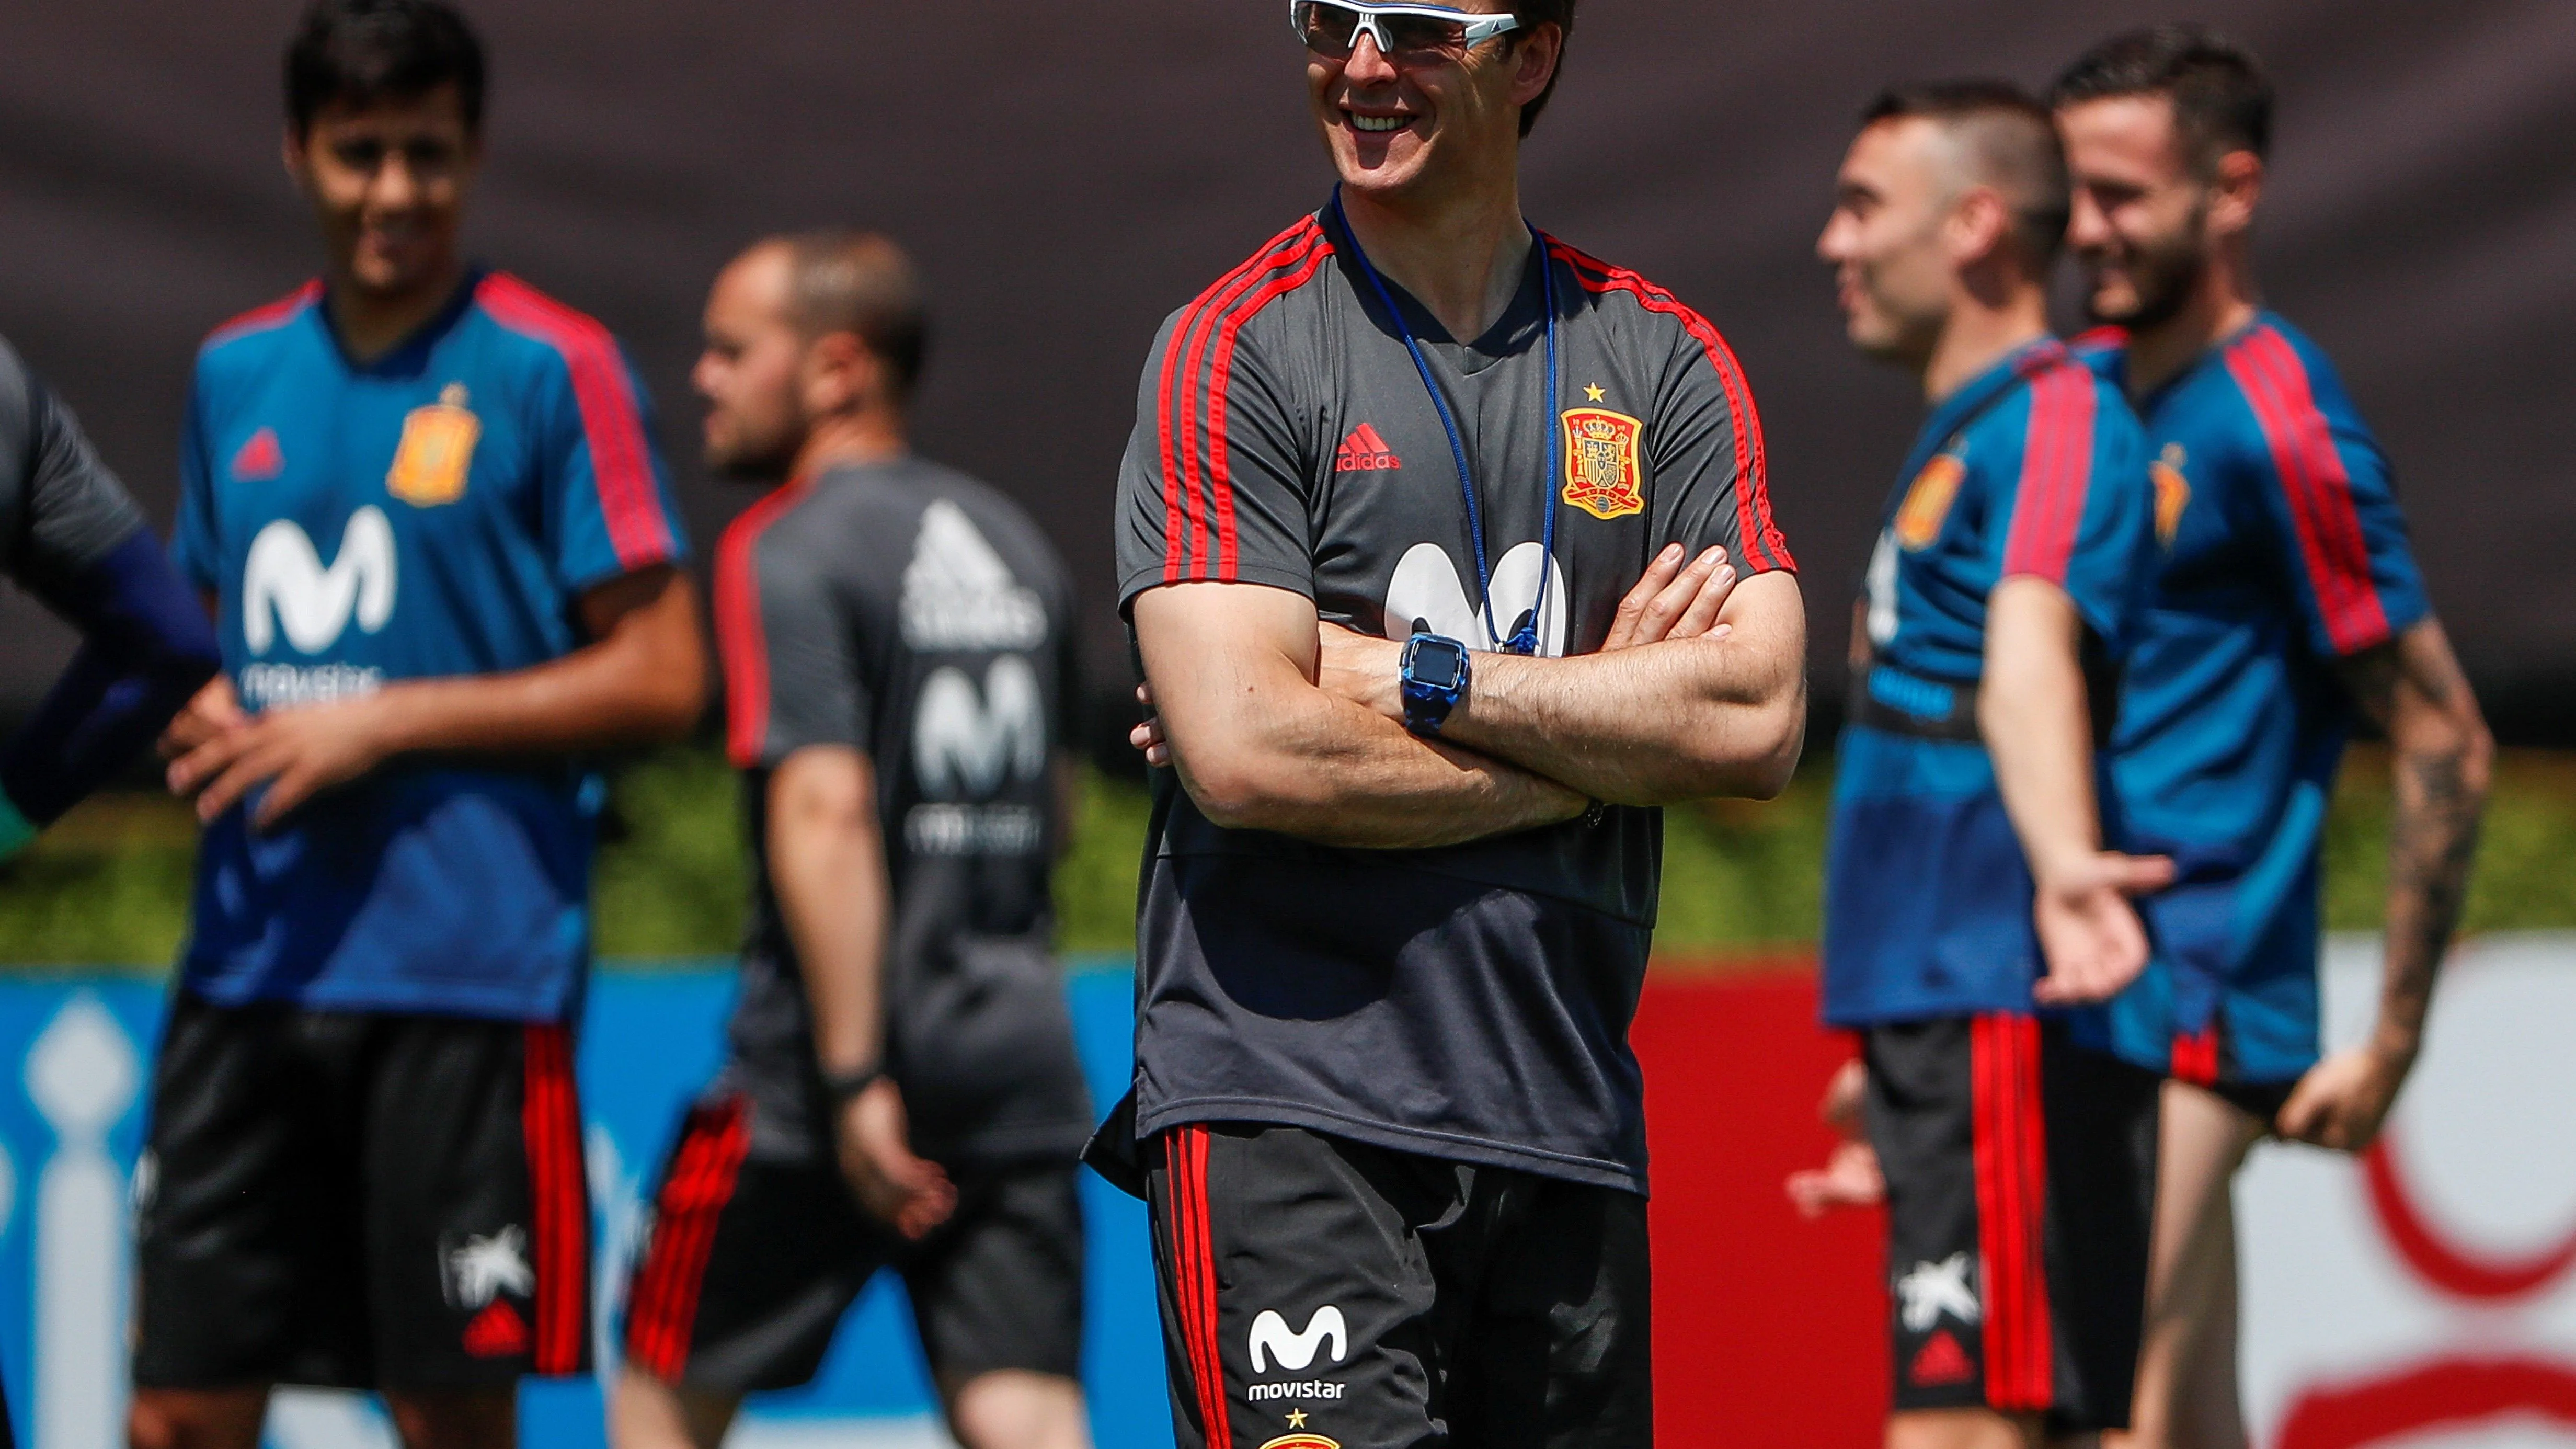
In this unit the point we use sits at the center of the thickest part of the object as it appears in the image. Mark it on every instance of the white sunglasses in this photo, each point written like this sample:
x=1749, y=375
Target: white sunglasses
x=1414, y=34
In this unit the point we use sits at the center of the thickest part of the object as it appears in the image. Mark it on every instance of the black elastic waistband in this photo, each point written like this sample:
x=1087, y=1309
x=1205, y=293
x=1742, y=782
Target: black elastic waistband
x=1898, y=703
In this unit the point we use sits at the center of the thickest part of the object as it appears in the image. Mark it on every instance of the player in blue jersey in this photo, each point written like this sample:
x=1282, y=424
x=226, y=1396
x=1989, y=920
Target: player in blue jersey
x=423, y=501
x=1967, y=884
x=2288, y=613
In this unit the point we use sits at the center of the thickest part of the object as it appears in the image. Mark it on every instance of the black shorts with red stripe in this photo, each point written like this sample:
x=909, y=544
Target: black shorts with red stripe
x=755, y=1255
x=360, y=1200
x=2021, y=1175
x=1318, y=1291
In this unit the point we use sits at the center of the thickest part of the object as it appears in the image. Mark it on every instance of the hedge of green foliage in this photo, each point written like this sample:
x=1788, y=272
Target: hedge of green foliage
x=110, y=885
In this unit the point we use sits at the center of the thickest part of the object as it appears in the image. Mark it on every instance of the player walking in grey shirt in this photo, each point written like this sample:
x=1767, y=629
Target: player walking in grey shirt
x=901, y=1089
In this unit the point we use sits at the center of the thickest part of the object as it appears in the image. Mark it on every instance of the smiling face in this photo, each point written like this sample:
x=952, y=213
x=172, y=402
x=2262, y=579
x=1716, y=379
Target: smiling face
x=2143, y=216
x=388, y=182
x=1395, y=129
x=1893, y=265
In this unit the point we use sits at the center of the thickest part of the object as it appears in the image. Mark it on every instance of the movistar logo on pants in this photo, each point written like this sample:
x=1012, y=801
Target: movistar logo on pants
x=1271, y=1339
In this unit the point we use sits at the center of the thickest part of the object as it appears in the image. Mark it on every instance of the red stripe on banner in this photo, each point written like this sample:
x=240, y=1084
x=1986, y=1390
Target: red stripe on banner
x=2056, y=471
x=742, y=641
x=663, y=1312
x=621, y=459
x=1181, y=517
x=267, y=315
x=550, y=1123
x=1303, y=264
x=2322, y=512
x=1764, y=547
x=2462, y=1274
x=2447, y=1392
x=2195, y=1057
x=2011, y=1174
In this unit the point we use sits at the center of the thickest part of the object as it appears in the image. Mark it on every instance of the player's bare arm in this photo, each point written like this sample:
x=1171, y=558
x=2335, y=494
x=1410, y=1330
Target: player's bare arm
x=2441, y=757
x=2037, y=723
x=1683, y=718
x=641, y=679
x=1259, y=746
x=827, y=864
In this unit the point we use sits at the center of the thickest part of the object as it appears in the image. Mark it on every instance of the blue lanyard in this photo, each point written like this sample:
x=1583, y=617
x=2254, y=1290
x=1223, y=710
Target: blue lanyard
x=1524, y=640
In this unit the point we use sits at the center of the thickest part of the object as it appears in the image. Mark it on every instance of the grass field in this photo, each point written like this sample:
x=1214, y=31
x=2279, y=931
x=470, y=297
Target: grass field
x=109, y=885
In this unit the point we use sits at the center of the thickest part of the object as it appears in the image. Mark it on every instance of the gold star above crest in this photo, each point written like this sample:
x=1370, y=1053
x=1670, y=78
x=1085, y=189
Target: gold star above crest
x=1591, y=393
x=1296, y=1418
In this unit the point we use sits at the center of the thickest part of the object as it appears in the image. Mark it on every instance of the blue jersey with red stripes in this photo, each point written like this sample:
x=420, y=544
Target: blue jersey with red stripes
x=436, y=511
x=2287, y=554
x=2036, y=468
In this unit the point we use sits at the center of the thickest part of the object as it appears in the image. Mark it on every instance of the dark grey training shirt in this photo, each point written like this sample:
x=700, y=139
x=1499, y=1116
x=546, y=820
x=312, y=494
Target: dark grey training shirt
x=1470, y=1002
x=917, y=615
x=61, y=510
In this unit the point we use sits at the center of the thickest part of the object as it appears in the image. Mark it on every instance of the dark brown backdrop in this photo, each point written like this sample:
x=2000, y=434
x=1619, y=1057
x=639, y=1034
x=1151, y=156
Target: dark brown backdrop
x=1069, y=173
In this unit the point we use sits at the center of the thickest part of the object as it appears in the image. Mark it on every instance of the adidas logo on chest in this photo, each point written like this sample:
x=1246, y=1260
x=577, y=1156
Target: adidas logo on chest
x=1365, y=452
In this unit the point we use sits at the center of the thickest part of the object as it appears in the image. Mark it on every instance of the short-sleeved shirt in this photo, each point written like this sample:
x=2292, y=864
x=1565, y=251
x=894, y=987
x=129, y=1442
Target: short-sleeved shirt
x=2036, y=468
x=437, y=511
x=61, y=510
x=913, y=614
x=1470, y=1002
x=2288, y=555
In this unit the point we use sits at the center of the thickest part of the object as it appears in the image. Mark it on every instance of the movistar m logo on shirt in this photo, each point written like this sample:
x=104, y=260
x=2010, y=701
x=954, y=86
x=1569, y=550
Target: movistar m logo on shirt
x=1271, y=1339
x=287, y=590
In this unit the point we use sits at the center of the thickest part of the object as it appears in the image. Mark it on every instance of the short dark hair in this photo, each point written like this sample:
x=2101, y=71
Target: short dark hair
x=2222, y=100
x=360, y=52
x=2011, y=143
x=861, y=283
x=1532, y=14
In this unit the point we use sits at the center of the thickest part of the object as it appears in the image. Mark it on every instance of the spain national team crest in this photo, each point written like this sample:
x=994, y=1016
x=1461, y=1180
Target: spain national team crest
x=436, y=451
x=1302, y=1440
x=2173, y=493
x=1602, y=476
x=1927, y=503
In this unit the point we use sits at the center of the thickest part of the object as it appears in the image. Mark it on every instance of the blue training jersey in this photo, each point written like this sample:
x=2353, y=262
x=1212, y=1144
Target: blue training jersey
x=2037, y=467
x=2288, y=554
x=435, y=512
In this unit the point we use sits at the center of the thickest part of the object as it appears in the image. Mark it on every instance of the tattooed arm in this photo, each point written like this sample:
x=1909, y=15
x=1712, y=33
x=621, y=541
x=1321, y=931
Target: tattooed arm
x=2442, y=756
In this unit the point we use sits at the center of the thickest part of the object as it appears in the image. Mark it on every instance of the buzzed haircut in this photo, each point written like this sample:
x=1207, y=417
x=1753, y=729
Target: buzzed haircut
x=2222, y=100
x=860, y=283
x=362, y=52
x=1532, y=14
x=2010, y=142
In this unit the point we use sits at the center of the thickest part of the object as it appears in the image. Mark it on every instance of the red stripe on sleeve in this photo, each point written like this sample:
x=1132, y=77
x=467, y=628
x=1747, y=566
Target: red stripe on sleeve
x=1301, y=265
x=2056, y=473
x=266, y=315
x=742, y=642
x=621, y=459
x=2012, y=1177
x=550, y=1124
x=2275, y=382
x=1183, y=523
x=1764, y=546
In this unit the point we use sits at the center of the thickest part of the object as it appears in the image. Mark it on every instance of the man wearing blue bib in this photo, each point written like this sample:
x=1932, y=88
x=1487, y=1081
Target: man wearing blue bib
x=1967, y=884
x=423, y=503
x=2287, y=611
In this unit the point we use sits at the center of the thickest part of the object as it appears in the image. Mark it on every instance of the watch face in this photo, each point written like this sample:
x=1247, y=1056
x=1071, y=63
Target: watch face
x=1439, y=663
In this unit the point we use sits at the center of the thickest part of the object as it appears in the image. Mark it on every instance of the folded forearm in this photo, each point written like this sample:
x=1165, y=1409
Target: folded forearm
x=1322, y=769
x=1679, y=720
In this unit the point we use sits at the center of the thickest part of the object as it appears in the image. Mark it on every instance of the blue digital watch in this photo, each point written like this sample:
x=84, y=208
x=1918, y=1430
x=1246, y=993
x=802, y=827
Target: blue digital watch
x=1434, y=676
